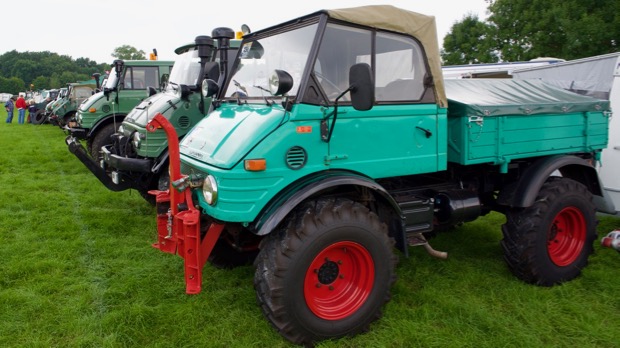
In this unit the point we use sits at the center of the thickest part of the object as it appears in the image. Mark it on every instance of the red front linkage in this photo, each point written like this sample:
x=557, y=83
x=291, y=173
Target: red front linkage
x=178, y=231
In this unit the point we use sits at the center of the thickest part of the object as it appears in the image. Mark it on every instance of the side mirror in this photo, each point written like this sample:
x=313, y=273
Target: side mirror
x=118, y=66
x=164, y=81
x=185, y=91
x=362, y=86
x=209, y=88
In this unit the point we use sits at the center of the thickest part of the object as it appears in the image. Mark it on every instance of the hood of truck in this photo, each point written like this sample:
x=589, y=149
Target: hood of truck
x=90, y=101
x=149, y=107
x=225, y=137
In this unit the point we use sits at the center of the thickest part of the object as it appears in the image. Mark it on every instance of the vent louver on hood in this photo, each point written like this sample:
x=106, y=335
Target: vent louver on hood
x=183, y=122
x=296, y=157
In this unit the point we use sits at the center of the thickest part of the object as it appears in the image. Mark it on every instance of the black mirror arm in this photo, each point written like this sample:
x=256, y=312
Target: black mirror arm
x=327, y=137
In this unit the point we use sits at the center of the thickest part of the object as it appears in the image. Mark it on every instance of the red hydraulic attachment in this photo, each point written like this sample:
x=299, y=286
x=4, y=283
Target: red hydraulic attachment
x=178, y=230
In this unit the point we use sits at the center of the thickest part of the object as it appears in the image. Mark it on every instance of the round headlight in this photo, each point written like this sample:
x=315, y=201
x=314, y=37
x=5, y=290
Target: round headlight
x=209, y=190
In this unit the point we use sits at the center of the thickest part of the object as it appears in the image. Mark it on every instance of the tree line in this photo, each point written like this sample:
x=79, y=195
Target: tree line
x=520, y=30
x=22, y=71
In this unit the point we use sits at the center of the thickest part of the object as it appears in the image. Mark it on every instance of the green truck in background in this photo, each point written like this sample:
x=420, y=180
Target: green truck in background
x=48, y=97
x=64, y=110
x=321, y=156
x=138, y=160
x=99, y=116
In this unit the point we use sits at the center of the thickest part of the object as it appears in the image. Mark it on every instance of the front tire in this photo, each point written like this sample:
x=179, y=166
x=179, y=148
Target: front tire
x=549, y=243
x=39, y=117
x=101, y=138
x=326, y=273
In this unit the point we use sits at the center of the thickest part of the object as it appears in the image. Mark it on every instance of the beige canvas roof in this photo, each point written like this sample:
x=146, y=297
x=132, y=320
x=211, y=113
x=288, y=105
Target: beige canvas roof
x=392, y=18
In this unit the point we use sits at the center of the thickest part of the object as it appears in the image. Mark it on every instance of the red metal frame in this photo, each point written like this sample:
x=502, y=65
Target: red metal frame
x=179, y=231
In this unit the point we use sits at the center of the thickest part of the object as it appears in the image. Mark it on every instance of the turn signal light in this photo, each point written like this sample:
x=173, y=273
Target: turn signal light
x=255, y=165
x=92, y=110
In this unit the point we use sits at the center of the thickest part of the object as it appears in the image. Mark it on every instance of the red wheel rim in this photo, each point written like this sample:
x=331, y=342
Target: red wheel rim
x=339, y=280
x=566, y=236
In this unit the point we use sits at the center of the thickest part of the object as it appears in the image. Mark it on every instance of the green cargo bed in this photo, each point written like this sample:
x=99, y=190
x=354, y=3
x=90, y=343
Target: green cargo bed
x=499, y=120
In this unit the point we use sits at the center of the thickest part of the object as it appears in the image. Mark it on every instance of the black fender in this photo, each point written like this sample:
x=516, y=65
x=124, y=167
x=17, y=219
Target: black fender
x=118, y=118
x=287, y=200
x=523, y=193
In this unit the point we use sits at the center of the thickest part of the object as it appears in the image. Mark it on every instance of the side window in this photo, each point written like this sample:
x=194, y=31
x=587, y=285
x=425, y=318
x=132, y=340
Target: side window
x=139, y=77
x=399, y=68
x=341, y=48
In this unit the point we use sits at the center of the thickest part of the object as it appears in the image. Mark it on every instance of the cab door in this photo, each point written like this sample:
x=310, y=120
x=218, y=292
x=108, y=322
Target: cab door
x=400, y=134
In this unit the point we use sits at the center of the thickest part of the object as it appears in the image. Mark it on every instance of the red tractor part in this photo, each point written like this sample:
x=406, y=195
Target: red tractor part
x=178, y=220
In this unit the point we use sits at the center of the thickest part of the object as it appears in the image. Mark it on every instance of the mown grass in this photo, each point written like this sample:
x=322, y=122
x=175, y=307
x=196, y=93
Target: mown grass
x=77, y=270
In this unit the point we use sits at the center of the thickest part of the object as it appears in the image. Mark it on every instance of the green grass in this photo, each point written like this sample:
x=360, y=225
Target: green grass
x=77, y=270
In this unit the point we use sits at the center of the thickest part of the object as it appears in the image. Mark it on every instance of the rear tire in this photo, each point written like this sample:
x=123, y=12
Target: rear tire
x=549, y=243
x=326, y=272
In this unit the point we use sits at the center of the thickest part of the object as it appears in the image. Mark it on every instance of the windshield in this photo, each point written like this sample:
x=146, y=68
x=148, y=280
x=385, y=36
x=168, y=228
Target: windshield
x=259, y=59
x=185, y=70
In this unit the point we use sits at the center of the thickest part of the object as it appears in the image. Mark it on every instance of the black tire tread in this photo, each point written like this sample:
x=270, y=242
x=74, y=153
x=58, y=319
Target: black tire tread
x=522, y=234
x=278, y=247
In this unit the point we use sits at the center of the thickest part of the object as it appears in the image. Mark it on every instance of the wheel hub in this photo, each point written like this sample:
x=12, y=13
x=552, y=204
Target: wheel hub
x=339, y=280
x=566, y=236
x=328, y=272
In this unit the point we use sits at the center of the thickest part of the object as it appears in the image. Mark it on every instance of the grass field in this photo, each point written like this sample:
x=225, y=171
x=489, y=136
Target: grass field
x=77, y=270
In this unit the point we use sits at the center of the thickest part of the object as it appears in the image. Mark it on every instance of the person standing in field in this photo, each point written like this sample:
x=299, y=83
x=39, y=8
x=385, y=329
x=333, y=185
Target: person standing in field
x=21, y=106
x=32, y=109
x=9, y=106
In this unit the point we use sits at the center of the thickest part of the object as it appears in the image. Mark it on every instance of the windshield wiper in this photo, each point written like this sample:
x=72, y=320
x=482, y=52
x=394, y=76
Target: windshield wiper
x=237, y=93
x=265, y=98
x=175, y=86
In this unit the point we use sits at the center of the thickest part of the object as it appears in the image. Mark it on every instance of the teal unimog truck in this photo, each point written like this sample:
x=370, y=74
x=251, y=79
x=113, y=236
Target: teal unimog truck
x=335, y=141
x=128, y=83
x=138, y=160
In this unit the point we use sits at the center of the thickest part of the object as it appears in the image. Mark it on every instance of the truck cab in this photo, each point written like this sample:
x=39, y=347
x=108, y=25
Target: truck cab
x=127, y=85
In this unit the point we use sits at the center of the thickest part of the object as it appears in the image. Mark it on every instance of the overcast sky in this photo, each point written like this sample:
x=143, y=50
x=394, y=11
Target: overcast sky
x=94, y=28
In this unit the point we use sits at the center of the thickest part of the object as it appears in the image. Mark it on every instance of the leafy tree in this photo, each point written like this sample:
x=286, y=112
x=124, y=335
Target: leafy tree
x=469, y=41
x=12, y=85
x=519, y=30
x=41, y=82
x=568, y=29
x=37, y=67
x=128, y=53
